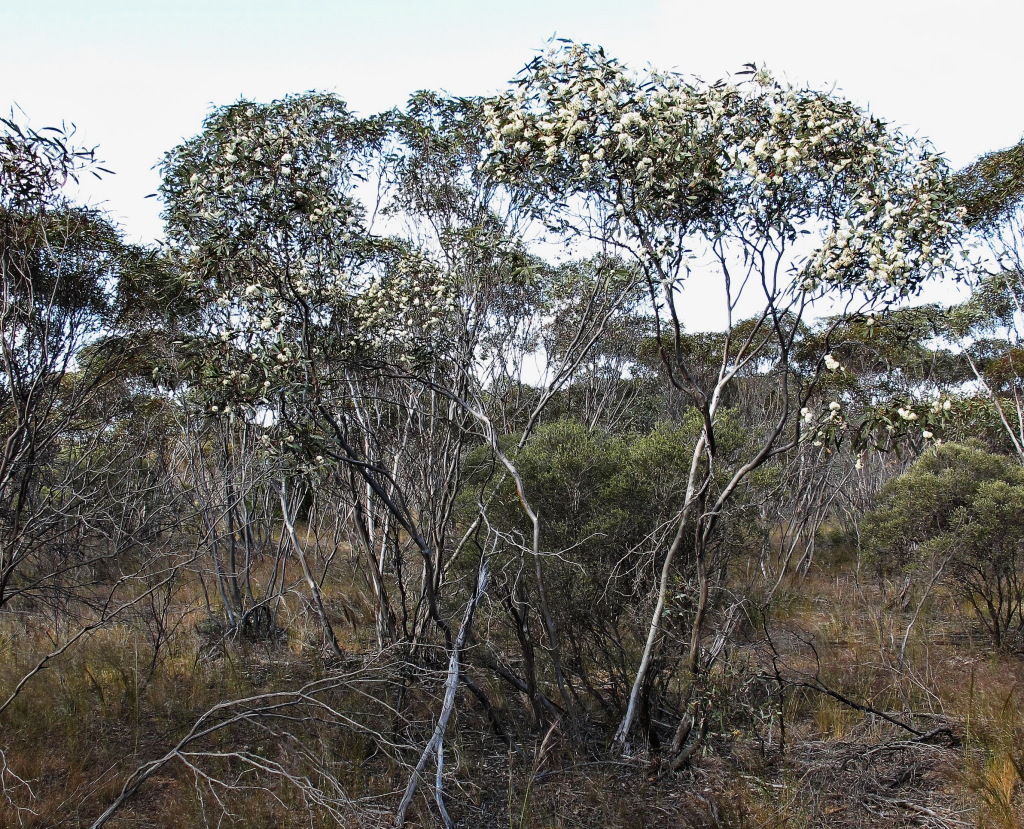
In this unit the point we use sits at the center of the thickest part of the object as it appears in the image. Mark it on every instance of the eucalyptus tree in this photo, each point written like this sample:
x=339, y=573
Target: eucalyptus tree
x=774, y=199
x=988, y=329
x=265, y=225
x=84, y=499
x=374, y=308
x=990, y=324
x=60, y=354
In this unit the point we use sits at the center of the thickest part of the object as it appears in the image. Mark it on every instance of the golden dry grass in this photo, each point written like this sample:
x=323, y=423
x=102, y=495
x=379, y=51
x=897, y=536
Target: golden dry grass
x=110, y=704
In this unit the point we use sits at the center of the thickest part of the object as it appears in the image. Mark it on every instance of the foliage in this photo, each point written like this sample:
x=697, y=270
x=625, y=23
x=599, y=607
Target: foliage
x=264, y=215
x=960, y=508
x=992, y=187
x=60, y=265
x=660, y=158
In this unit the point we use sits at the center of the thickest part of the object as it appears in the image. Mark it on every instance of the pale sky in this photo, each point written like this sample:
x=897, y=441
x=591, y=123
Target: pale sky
x=137, y=77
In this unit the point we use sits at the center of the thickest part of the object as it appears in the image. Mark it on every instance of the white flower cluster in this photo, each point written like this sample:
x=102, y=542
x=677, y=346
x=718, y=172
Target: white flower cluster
x=265, y=180
x=263, y=201
x=901, y=228
x=879, y=425
x=583, y=122
x=667, y=156
x=413, y=299
x=906, y=420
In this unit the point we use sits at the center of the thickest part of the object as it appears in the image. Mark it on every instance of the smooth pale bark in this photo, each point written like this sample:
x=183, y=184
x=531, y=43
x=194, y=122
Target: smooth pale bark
x=314, y=588
x=622, y=733
x=435, y=746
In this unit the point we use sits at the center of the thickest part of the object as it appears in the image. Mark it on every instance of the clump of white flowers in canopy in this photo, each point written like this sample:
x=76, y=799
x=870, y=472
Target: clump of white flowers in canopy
x=264, y=214
x=654, y=161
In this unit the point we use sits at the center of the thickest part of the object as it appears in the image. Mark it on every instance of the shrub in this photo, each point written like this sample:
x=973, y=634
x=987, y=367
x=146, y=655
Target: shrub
x=959, y=508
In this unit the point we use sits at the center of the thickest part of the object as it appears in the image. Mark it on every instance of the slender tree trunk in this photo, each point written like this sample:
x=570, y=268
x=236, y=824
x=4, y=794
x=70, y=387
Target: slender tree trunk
x=314, y=588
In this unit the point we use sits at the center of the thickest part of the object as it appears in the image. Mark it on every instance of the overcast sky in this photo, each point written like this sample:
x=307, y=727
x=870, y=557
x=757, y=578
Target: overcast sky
x=137, y=77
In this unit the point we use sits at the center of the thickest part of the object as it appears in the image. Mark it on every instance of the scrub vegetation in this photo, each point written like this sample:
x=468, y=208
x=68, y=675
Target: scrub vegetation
x=580, y=456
